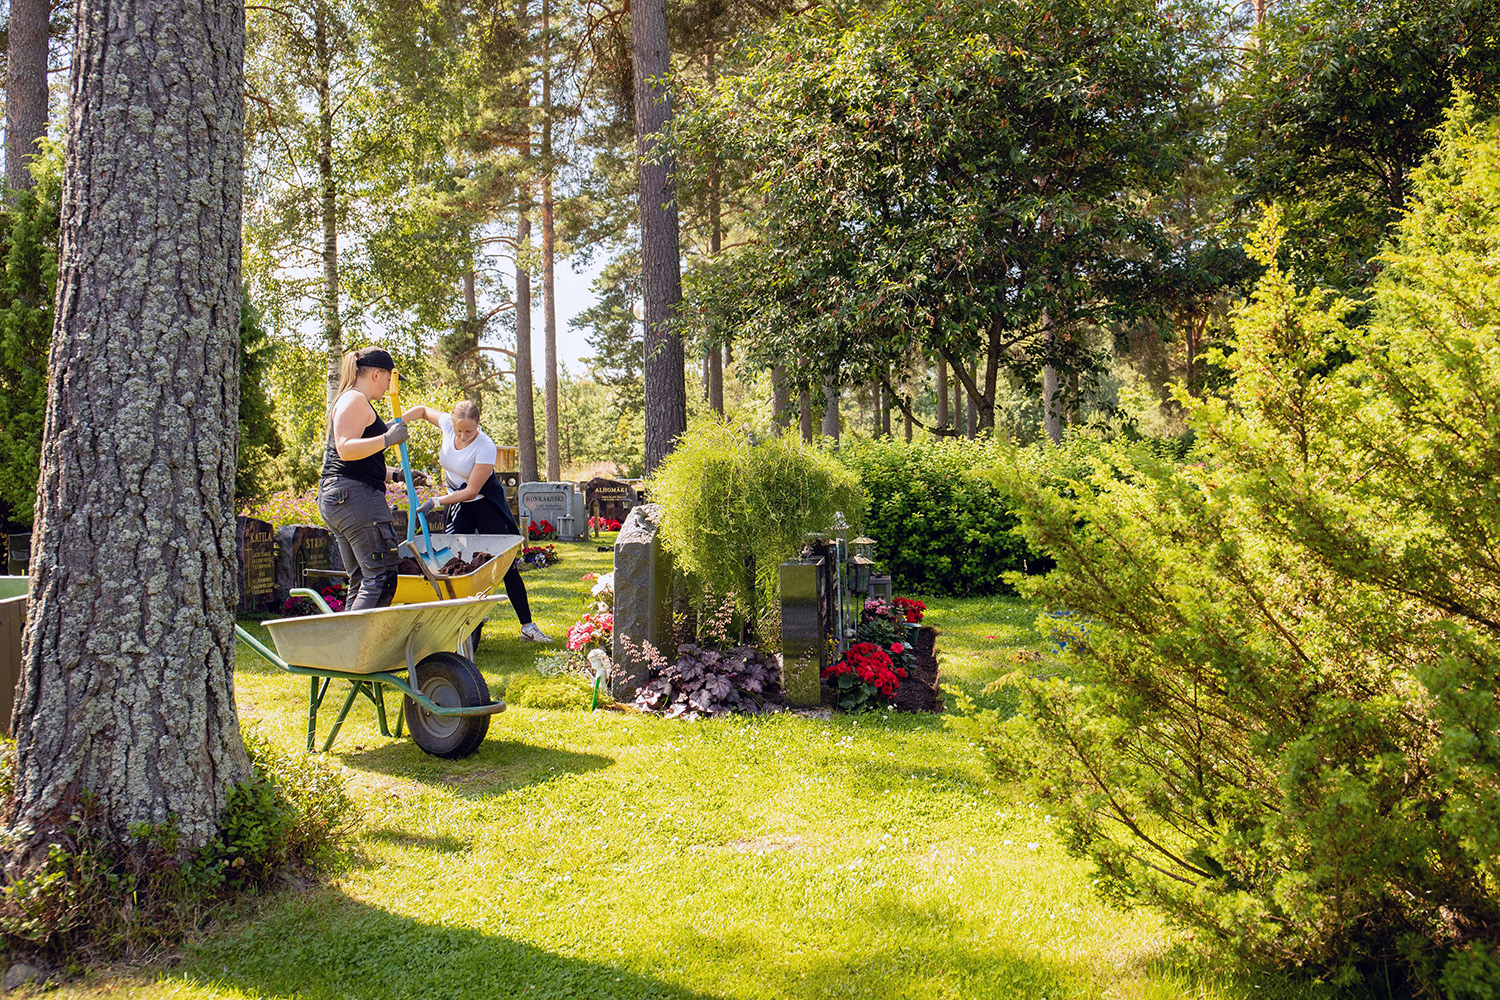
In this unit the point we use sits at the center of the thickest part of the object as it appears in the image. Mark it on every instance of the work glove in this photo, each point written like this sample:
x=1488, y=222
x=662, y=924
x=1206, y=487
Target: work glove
x=396, y=434
x=420, y=478
x=428, y=506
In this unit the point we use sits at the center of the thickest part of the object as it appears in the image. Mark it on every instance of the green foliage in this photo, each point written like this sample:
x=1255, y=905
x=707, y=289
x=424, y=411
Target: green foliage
x=938, y=527
x=93, y=898
x=564, y=691
x=962, y=175
x=29, y=247
x=1279, y=726
x=734, y=510
x=260, y=440
x=1338, y=104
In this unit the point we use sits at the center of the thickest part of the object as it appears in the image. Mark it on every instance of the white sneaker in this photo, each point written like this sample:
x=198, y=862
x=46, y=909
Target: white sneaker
x=531, y=633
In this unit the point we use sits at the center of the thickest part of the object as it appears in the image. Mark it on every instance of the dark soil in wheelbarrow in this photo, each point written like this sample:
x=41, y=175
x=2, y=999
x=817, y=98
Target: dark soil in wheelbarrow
x=453, y=567
x=919, y=691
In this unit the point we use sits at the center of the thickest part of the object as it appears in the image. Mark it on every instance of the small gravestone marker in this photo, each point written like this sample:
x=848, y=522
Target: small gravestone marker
x=255, y=544
x=643, y=599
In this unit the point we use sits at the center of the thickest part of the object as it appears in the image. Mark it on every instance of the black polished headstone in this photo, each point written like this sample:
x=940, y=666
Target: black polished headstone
x=255, y=544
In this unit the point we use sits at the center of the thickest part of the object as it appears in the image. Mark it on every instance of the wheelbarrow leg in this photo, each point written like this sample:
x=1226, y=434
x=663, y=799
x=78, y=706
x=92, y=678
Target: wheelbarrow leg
x=379, y=700
x=333, y=733
x=312, y=712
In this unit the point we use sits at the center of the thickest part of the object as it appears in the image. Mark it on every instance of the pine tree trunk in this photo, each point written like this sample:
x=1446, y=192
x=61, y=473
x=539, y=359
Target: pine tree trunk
x=333, y=334
x=127, y=674
x=25, y=87
x=471, y=331
x=549, y=252
x=715, y=243
x=661, y=265
x=525, y=389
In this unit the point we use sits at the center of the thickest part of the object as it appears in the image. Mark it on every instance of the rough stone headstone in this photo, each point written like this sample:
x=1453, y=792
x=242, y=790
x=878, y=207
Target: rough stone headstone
x=19, y=975
x=559, y=504
x=643, y=599
x=299, y=548
x=255, y=542
x=611, y=499
x=804, y=646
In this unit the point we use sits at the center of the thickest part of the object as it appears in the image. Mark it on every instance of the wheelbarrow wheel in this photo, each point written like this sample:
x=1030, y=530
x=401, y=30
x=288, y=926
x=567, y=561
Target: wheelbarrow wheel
x=451, y=681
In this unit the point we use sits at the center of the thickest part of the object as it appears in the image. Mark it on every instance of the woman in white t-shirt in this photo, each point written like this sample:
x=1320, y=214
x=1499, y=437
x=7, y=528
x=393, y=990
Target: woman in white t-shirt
x=476, y=498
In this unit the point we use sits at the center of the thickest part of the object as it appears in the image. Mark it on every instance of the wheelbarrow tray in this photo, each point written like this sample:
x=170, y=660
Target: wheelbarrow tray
x=378, y=640
x=416, y=589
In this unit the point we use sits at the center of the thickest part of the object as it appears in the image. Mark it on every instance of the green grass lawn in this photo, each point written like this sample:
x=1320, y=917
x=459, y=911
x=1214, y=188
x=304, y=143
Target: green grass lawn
x=613, y=854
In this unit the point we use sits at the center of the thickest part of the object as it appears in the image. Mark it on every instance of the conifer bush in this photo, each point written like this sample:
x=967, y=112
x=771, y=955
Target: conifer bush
x=1283, y=730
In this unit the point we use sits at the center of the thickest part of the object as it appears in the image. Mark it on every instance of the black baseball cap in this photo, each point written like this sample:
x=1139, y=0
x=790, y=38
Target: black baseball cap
x=374, y=357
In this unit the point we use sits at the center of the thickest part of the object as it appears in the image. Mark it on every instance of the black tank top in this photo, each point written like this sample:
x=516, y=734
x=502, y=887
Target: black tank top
x=369, y=470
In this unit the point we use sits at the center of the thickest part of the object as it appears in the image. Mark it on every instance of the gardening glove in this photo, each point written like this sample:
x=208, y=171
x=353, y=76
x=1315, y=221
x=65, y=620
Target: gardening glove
x=396, y=434
x=428, y=506
x=420, y=478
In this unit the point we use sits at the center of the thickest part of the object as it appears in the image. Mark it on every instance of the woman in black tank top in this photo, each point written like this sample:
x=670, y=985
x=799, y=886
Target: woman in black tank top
x=351, y=492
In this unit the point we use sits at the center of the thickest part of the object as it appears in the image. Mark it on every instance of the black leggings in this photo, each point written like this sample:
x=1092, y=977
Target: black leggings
x=487, y=516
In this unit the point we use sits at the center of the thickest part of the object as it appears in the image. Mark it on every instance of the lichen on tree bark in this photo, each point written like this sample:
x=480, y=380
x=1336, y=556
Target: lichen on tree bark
x=127, y=676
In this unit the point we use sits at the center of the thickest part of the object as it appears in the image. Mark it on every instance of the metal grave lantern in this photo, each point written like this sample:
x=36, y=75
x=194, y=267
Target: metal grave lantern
x=861, y=563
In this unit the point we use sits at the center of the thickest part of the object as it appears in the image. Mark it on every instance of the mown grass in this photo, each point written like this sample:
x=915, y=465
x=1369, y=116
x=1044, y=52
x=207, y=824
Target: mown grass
x=612, y=854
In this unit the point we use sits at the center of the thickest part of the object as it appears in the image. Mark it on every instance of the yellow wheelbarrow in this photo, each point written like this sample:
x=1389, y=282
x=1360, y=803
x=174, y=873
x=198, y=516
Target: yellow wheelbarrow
x=447, y=703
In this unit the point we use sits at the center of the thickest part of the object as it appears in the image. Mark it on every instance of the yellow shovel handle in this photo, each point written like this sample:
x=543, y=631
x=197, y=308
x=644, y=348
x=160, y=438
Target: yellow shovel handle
x=395, y=395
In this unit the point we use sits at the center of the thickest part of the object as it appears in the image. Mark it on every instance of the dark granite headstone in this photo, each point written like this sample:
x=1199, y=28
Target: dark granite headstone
x=804, y=632
x=18, y=554
x=643, y=599
x=610, y=499
x=299, y=548
x=255, y=542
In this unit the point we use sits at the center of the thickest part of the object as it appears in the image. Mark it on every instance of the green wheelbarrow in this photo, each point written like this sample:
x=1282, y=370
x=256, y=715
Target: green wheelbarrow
x=447, y=704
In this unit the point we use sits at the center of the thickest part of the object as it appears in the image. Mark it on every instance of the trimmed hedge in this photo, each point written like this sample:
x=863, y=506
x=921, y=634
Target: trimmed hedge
x=938, y=528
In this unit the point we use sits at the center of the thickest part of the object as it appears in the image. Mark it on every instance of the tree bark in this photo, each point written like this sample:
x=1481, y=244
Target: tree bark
x=333, y=334
x=1051, y=394
x=831, y=411
x=471, y=331
x=942, y=393
x=549, y=251
x=525, y=387
x=127, y=674
x=883, y=405
x=715, y=243
x=25, y=87
x=661, y=265
x=875, y=409
x=781, y=400
x=805, y=421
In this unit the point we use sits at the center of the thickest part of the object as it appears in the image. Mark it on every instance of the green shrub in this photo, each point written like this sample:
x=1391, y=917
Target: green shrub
x=938, y=527
x=558, y=692
x=735, y=510
x=93, y=899
x=1276, y=718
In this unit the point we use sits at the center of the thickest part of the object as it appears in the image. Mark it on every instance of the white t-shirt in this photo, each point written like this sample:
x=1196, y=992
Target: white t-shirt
x=458, y=463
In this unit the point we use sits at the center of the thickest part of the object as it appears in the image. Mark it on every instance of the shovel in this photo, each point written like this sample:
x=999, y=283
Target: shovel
x=432, y=559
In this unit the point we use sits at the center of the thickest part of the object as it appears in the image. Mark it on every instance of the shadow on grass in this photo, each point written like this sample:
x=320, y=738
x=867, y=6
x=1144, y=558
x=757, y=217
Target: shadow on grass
x=498, y=766
x=418, y=841
x=326, y=945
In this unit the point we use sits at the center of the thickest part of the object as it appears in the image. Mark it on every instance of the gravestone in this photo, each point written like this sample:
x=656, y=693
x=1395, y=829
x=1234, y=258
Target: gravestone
x=643, y=600
x=255, y=543
x=559, y=504
x=610, y=499
x=299, y=548
x=18, y=554
x=804, y=630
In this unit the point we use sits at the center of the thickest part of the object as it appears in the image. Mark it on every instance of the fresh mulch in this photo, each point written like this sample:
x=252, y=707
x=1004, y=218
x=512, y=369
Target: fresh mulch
x=919, y=691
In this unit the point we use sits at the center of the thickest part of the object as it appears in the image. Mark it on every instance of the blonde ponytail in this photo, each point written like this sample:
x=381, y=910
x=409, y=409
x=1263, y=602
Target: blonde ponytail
x=349, y=371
